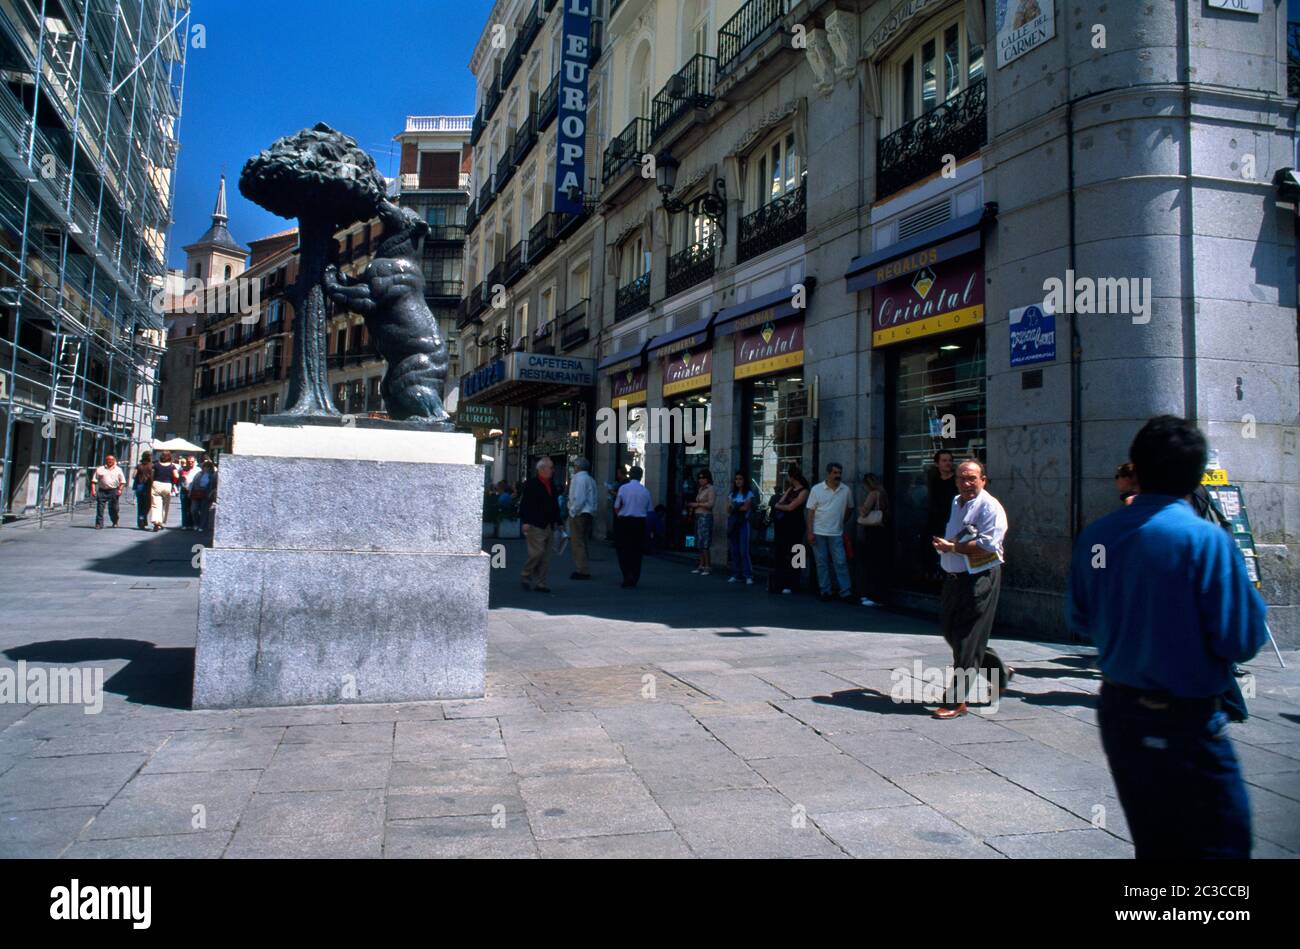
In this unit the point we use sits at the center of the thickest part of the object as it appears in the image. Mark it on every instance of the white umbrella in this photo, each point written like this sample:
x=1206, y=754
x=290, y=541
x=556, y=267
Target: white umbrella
x=177, y=444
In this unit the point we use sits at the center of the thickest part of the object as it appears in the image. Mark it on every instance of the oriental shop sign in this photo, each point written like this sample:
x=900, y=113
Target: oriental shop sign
x=931, y=299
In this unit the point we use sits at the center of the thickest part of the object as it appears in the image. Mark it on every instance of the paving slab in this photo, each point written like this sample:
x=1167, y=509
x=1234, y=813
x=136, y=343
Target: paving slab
x=661, y=845
x=757, y=823
x=912, y=832
x=452, y=837
x=987, y=804
x=153, y=805
x=589, y=804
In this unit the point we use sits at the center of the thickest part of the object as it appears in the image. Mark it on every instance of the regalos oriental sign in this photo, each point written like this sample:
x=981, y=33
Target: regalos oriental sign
x=934, y=298
x=772, y=347
x=571, y=139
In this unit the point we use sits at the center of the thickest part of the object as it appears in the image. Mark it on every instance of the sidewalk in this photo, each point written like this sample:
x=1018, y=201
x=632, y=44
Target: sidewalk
x=686, y=717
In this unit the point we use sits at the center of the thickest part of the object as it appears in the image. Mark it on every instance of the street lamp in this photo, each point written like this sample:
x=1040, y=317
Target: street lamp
x=711, y=204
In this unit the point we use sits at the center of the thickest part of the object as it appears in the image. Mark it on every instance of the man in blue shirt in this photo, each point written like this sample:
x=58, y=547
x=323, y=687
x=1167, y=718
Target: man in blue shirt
x=1165, y=597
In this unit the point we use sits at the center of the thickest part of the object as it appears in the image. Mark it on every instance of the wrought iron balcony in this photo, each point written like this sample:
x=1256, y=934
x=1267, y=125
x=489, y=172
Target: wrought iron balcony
x=505, y=171
x=486, y=196
x=632, y=298
x=772, y=225
x=491, y=99
x=471, y=216
x=626, y=148
x=525, y=138
x=959, y=127
x=689, y=88
x=690, y=266
x=476, y=129
x=495, y=277
x=516, y=263
x=753, y=23
x=548, y=104
x=444, y=289
x=477, y=300
x=447, y=233
x=541, y=238
x=574, y=328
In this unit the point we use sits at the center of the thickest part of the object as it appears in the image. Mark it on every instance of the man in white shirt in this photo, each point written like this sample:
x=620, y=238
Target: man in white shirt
x=631, y=506
x=970, y=553
x=829, y=506
x=582, y=511
x=106, y=487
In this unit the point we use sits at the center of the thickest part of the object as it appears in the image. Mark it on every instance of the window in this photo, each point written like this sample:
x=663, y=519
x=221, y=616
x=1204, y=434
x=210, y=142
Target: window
x=275, y=311
x=777, y=169
x=198, y=270
x=545, y=309
x=579, y=284
x=229, y=271
x=521, y=322
x=634, y=258
x=932, y=69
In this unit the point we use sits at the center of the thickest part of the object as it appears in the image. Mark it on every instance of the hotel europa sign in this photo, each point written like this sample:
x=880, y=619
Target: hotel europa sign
x=571, y=139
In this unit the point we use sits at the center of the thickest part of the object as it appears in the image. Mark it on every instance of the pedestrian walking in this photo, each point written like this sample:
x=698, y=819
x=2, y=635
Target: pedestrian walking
x=142, y=487
x=539, y=513
x=1165, y=597
x=187, y=473
x=788, y=530
x=740, y=502
x=970, y=553
x=582, y=514
x=873, y=558
x=165, y=476
x=702, y=507
x=203, y=495
x=940, y=489
x=106, y=487
x=829, y=506
x=631, y=507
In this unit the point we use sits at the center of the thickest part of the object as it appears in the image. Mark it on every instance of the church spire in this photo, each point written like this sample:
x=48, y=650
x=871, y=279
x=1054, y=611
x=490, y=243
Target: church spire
x=219, y=215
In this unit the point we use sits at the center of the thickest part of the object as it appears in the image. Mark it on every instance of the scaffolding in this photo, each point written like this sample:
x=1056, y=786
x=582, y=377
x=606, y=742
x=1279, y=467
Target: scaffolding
x=90, y=109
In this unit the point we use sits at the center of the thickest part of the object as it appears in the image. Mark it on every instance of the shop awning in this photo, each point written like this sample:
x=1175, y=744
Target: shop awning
x=934, y=245
x=520, y=378
x=772, y=306
x=684, y=337
x=625, y=358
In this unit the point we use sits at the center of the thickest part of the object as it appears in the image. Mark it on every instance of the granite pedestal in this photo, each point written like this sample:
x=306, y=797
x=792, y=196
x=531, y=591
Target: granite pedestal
x=347, y=566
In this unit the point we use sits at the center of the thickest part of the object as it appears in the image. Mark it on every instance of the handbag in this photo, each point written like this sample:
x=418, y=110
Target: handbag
x=873, y=518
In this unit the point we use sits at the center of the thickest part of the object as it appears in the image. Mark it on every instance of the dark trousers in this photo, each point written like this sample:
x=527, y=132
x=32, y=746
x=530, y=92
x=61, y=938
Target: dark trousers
x=186, y=517
x=1177, y=776
x=102, y=499
x=967, y=605
x=629, y=541
x=142, y=502
x=788, y=577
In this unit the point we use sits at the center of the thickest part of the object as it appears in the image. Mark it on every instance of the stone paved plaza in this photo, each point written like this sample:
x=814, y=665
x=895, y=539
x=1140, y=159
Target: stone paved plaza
x=770, y=732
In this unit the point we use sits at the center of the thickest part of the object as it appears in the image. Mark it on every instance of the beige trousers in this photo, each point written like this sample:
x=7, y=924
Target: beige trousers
x=579, y=536
x=162, y=503
x=539, y=555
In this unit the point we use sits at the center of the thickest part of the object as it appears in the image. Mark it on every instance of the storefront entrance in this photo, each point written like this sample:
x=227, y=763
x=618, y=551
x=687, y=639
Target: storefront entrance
x=936, y=387
x=684, y=464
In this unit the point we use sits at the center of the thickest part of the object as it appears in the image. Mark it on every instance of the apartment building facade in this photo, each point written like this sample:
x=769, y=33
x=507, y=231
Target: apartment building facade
x=89, y=111
x=867, y=231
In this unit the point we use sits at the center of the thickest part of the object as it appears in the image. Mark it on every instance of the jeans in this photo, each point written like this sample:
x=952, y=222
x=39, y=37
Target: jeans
x=143, y=500
x=1178, y=778
x=199, y=508
x=102, y=499
x=738, y=552
x=186, y=521
x=830, y=554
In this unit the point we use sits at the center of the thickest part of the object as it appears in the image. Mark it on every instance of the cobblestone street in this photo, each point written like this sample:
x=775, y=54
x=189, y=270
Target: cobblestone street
x=687, y=717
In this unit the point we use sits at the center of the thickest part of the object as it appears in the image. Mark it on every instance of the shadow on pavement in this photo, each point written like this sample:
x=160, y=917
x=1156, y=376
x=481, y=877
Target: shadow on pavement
x=168, y=554
x=870, y=700
x=155, y=676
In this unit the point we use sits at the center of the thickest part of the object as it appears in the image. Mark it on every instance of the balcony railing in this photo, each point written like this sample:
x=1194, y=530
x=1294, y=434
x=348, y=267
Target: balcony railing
x=477, y=300
x=446, y=233
x=632, y=298
x=491, y=100
x=516, y=263
x=353, y=356
x=495, y=277
x=476, y=128
x=752, y=24
x=486, y=196
x=444, y=289
x=471, y=216
x=626, y=148
x=525, y=138
x=959, y=127
x=772, y=225
x=693, y=265
x=548, y=104
x=689, y=88
x=505, y=171
x=574, y=329
x=541, y=238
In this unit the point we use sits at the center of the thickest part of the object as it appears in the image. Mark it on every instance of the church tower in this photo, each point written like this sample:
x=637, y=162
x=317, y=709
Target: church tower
x=216, y=256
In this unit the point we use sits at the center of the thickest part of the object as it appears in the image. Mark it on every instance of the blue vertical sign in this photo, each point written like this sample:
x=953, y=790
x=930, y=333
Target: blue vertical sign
x=571, y=137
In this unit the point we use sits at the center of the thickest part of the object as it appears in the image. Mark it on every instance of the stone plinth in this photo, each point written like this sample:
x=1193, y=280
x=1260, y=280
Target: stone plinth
x=343, y=579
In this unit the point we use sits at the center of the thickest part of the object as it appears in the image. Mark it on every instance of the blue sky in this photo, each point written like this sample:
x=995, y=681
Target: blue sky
x=273, y=67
